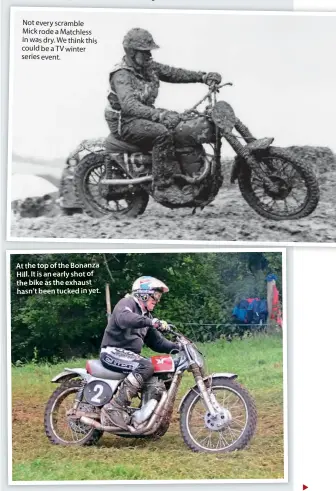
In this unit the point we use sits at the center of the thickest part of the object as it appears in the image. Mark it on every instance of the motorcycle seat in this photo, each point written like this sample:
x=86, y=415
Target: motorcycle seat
x=96, y=369
x=113, y=144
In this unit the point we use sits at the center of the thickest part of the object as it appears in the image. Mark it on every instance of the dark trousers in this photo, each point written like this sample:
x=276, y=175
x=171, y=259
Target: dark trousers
x=157, y=138
x=124, y=361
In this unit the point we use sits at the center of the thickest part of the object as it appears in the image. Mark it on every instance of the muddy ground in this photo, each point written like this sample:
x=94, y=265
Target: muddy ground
x=228, y=218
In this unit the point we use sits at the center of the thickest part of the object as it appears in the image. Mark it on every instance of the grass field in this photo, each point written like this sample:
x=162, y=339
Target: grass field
x=258, y=362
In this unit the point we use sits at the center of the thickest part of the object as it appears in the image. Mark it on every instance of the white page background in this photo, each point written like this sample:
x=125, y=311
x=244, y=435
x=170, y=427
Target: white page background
x=311, y=326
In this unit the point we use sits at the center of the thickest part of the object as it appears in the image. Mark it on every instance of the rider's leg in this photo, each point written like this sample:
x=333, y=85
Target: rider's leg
x=155, y=137
x=139, y=370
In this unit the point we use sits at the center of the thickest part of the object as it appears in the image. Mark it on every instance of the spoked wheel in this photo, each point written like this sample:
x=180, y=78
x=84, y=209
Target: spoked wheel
x=60, y=427
x=100, y=199
x=233, y=427
x=294, y=190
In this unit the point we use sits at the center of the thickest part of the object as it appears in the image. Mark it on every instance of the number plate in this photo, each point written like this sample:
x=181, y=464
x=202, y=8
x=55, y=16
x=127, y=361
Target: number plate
x=223, y=115
x=97, y=393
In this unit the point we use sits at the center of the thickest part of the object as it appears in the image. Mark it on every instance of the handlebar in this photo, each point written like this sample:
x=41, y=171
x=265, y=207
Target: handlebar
x=213, y=88
x=176, y=333
x=172, y=331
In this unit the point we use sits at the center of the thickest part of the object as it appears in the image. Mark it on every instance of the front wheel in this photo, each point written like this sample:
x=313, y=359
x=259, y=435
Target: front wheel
x=294, y=192
x=233, y=427
x=99, y=199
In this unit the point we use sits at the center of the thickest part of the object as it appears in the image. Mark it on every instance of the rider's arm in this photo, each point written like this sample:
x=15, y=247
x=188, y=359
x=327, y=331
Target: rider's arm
x=121, y=83
x=157, y=342
x=171, y=74
x=125, y=316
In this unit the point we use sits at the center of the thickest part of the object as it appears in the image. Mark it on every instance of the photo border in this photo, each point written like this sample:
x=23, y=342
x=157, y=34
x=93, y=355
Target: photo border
x=156, y=11
x=283, y=252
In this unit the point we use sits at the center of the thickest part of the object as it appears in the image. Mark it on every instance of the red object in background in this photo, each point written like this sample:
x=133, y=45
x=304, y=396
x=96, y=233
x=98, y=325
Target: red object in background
x=304, y=487
x=250, y=300
x=163, y=363
x=276, y=313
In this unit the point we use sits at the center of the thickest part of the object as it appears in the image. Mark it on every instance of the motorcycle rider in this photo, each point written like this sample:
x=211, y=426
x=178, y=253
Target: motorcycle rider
x=131, y=325
x=131, y=115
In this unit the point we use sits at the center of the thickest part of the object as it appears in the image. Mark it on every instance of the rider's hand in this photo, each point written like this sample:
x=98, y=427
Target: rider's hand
x=160, y=325
x=212, y=78
x=170, y=119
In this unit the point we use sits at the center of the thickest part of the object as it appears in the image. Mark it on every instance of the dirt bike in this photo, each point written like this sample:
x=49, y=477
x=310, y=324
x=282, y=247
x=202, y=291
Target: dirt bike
x=216, y=415
x=111, y=177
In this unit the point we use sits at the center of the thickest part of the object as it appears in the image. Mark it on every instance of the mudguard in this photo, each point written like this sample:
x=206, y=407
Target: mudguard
x=254, y=146
x=195, y=388
x=70, y=373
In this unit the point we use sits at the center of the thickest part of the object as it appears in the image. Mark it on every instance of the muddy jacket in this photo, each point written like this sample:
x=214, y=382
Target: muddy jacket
x=130, y=328
x=133, y=93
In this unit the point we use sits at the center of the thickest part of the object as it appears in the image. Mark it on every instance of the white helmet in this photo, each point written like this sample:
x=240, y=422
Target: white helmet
x=146, y=286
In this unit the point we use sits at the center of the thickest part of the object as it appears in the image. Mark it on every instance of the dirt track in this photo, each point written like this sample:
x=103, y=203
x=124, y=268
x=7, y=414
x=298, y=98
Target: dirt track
x=228, y=218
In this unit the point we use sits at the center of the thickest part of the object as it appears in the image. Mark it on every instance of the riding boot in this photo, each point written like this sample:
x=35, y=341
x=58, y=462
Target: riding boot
x=165, y=164
x=117, y=408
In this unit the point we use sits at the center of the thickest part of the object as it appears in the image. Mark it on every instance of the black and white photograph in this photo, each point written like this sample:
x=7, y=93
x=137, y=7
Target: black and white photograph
x=172, y=125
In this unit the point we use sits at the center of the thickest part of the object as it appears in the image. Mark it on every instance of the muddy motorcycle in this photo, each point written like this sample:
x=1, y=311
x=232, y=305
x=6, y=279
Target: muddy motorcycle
x=216, y=415
x=111, y=177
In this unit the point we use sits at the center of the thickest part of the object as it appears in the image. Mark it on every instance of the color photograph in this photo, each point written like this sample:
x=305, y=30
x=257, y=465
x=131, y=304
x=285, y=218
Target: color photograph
x=147, y=367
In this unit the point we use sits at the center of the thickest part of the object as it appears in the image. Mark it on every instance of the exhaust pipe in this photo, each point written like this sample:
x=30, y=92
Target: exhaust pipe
x=134, y=431
x=97, y=425
x=127, y=182
x=156, y=415
x=148, y=179
x=145, y=428
x=196, y=180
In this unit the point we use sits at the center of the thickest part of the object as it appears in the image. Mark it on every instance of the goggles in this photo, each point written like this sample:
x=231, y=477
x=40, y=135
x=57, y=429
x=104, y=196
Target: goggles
x=156, y=296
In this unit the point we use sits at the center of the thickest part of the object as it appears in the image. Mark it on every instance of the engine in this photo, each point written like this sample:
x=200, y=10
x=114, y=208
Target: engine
x=153, y=389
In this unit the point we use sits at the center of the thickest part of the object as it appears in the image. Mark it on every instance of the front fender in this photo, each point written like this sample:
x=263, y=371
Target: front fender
x=195, y=388
x=256, y=145
x=70, y=373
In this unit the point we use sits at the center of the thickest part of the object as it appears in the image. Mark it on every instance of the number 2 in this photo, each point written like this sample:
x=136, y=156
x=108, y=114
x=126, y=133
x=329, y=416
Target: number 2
x=99, y=389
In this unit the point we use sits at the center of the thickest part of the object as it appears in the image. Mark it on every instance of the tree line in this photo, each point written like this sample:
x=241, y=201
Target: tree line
x=204, y=288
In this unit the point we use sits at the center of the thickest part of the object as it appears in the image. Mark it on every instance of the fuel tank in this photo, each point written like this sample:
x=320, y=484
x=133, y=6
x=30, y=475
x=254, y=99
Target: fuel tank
x=197, y=130
x=163, y=363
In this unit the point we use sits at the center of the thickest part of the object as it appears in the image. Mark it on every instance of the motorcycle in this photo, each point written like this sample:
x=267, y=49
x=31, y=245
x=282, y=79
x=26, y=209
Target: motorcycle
x=216, y=415
x=110, y=177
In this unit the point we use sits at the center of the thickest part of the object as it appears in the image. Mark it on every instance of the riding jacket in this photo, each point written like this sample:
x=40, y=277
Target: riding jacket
x=133, y=93
x=129, y=327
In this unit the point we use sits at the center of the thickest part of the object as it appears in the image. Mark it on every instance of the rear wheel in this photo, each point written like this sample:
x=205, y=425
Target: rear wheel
x=102, y=199
x=295, y=190
x=60, y=428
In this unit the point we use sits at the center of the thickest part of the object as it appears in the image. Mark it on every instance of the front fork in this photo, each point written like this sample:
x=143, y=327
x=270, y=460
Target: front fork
x=244, y=152
x=209, y=399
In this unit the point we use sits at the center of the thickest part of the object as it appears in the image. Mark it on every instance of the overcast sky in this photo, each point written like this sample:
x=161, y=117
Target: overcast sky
x=282, y=68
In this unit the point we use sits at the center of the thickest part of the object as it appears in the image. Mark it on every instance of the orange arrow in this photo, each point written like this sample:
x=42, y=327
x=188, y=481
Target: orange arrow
x=304, y=487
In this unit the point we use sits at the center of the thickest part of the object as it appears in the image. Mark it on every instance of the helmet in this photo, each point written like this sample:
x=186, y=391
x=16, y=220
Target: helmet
x=146, y=286
x=139, y=39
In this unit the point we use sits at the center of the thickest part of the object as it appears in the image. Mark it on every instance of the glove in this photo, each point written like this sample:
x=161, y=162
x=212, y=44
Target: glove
x=170, y=119
x=212, y=78
x=160, y=325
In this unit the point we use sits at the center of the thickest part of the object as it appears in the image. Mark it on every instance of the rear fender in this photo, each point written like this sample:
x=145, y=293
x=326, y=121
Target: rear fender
x=70, y=373
x=209, y=377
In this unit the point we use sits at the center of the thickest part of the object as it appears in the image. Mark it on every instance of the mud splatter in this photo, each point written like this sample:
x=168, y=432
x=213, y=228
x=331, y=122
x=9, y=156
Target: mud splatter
x=228, y=218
